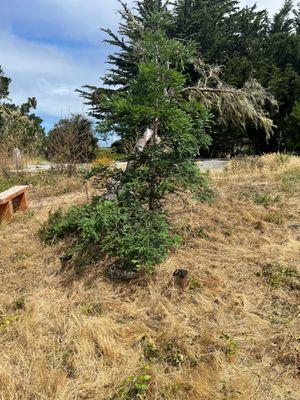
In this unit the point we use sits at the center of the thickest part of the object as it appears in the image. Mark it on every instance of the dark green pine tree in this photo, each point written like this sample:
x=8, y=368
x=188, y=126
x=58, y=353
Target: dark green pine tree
x=283, y=55
x=130, y=31
x=246, y=56
x=283, y=21
x=248, y=44
x=237, y=42
x=245, y=41
x=211, y=23
x=148, y=10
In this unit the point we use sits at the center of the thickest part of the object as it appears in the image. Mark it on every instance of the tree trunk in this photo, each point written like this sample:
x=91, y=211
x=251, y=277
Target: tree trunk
x=140, y=145
x=152, y=168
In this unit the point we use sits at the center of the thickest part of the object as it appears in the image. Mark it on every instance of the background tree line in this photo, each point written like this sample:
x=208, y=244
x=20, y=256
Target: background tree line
x=19, y=127
x=246, y=42
x=72, y=139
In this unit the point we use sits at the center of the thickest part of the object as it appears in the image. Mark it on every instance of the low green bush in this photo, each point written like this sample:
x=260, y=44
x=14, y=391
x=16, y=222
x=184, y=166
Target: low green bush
x=135, y=387
x=111, y=153
x=135, y=236
x=265, y=199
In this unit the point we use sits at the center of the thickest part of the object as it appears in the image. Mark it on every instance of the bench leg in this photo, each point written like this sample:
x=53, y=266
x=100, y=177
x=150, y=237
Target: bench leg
x=23, y=202
x=6, y=211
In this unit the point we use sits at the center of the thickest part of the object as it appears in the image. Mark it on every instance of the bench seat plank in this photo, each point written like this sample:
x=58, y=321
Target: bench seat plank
x=12, y=193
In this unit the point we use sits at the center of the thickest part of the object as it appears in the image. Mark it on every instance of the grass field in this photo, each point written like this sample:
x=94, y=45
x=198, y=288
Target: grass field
x=234, y=334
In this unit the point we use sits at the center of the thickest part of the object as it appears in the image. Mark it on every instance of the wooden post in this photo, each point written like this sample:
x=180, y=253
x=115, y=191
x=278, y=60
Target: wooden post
x=6, y=211
x=181, y=278
x=65, y=262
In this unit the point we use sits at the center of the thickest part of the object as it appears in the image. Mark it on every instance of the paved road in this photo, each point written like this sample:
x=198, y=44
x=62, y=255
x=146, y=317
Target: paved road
x=214, y=164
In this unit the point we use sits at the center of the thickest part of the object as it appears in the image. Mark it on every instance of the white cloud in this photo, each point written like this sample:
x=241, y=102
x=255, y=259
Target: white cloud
x=64, y=19
x=51, y=47
x=48, y=73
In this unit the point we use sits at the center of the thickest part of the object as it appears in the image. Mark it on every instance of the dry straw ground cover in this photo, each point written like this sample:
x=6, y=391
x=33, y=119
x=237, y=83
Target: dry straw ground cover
x=234, y=334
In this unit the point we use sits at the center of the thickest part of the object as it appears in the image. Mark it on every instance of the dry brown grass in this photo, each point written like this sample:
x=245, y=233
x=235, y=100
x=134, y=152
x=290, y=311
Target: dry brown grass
x=233, y=335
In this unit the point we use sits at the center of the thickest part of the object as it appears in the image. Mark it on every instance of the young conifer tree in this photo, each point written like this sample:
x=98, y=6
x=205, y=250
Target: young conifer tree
x=129, y=222
x=173, y=125
x=166, y=119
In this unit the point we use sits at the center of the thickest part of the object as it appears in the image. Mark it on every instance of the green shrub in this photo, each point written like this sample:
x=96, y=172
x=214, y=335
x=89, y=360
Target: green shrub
x=60, y=225
x=134, y=235
x=231, y=346
x=134, y=388
x=276, y=274
x=111, y=153
x=19, y=303
x=265, y=199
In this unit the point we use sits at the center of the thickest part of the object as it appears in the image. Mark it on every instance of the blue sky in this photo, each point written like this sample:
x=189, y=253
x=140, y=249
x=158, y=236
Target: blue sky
x=51, y=47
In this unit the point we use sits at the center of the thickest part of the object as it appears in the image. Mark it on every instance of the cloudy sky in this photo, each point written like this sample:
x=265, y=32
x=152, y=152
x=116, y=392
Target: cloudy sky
x=51, y=47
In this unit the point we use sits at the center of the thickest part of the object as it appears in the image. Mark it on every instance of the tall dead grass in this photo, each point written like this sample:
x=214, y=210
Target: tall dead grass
x=234, y=334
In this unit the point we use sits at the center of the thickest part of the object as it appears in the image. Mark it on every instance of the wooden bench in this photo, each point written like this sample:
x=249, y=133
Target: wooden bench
x=12, y=200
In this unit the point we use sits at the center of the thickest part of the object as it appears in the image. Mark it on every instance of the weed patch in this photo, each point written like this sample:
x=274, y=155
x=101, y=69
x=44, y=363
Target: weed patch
x=7, y=319
x=169, y=353
x=204, y=232
x=290, y=179
x=134, y=388
x=91, y=309
x=20, y=256
x=276, y=274
x=19, y=303
x=274, y=217
x=194, y=283
x=231, y=346
x=265, y=199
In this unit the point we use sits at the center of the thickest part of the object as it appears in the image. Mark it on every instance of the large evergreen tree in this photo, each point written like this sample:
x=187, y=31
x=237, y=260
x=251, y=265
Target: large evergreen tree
x=210, y=23
x=123, y=63
x=283, y=55
x=246, y=42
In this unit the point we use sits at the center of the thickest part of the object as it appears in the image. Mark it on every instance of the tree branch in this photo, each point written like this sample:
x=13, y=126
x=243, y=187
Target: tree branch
x=209, y=90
